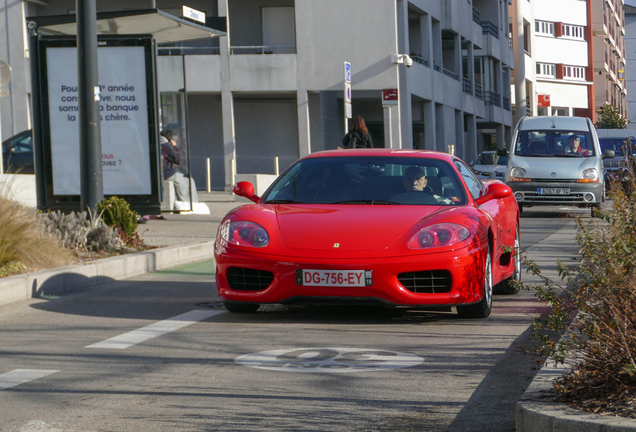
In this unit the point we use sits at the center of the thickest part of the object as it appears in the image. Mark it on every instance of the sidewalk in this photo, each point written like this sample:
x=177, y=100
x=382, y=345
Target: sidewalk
x=183, y=228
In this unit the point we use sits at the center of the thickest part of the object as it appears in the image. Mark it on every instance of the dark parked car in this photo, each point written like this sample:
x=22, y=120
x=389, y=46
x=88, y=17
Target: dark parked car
x=616, y=166
x=17, y=153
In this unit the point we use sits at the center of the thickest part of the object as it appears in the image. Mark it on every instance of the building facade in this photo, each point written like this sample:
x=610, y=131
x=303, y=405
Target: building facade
x=630, y=58
x=574, y=55
x=272, y=90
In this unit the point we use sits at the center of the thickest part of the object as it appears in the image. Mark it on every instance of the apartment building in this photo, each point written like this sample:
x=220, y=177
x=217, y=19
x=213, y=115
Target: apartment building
x=574, y=56
x=608, y=21
x=630, y=57
x=273, y=88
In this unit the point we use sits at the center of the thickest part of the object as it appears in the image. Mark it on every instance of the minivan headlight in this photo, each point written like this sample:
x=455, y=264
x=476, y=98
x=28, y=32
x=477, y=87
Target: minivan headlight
x=519, y=175
x=589, y=175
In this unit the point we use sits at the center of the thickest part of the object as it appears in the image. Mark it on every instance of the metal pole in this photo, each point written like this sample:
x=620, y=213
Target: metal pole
x=38, y=152
x=187, y=128
x=276, y=165
x=91, y=181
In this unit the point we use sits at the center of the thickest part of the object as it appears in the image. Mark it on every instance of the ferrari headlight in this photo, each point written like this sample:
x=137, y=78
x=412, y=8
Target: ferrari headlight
x=589, y=175
x=445, y=234
x=243, y=233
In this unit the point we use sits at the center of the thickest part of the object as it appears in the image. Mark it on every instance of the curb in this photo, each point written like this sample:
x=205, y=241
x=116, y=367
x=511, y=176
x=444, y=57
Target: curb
x=101, y=271
x=536, y=410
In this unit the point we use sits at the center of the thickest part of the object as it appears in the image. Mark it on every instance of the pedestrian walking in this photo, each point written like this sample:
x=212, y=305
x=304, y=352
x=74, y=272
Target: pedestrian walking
x=358, y=136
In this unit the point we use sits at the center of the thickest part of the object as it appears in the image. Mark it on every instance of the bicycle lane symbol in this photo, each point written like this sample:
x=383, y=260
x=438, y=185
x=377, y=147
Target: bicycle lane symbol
x=329, y=360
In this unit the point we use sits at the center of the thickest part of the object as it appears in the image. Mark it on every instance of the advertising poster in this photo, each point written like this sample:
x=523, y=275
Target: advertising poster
x=124, y=120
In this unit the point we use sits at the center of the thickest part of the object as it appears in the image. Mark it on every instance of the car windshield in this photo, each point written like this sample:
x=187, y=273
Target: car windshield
x=367, y=180
x=621, y=146
x=554, y=143
x=491, y=159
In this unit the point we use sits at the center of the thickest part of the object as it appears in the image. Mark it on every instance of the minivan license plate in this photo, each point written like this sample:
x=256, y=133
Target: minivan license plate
x=554, y=191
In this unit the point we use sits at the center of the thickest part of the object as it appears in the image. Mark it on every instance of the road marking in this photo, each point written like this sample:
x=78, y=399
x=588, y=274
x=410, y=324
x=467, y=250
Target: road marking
x=21, y=376
x=155, y=330
x=329, y=360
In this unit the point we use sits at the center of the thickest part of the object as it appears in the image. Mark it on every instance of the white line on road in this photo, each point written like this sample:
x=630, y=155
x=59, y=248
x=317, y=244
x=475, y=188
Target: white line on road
x=155, y=330
x=21, y=376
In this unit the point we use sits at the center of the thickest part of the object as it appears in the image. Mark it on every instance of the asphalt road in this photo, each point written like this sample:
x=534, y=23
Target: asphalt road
x=112, y=359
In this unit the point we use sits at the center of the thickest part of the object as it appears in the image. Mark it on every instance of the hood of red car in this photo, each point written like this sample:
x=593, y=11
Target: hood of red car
x=347, y=227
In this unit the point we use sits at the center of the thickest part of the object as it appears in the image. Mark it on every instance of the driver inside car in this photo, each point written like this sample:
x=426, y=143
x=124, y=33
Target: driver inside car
x=414, y=180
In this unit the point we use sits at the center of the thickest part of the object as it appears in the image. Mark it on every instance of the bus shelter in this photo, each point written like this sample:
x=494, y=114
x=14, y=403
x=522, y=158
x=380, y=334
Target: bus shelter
x=131, y=154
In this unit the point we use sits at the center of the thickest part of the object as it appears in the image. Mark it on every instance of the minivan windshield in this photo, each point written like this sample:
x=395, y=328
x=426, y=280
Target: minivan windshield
x=554, y=143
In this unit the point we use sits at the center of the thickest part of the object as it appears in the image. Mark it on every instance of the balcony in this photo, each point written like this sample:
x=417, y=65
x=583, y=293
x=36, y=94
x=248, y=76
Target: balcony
x=262, y=49
x=419, y=59
x=476, y=16
x=506, y=104
x=467, y=86
x=451, y=74
x=203, y=47
x=492, y=98
x=479, y=94
x=489, y=27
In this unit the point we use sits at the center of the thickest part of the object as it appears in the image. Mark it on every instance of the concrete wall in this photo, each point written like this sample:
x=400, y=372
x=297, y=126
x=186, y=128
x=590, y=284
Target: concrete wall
x=265, y=129
x=206, y=138
x=362, y=35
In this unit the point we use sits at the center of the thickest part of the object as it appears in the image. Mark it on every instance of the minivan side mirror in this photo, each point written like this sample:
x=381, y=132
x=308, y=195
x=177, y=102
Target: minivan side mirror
x=246, y=189
x=608, y=154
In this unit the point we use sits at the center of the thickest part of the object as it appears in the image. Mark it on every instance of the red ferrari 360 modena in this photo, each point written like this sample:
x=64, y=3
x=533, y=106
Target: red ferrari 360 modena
x=378, y=226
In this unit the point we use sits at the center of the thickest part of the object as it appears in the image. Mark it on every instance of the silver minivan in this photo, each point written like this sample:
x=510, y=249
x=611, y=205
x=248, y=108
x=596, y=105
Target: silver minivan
x=556, y=161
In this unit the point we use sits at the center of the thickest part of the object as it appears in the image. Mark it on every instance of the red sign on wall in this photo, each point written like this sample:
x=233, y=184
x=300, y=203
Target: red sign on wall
x=544, y=101
x=389, y=94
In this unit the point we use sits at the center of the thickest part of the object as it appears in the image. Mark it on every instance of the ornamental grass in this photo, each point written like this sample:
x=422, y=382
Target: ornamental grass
x=23, y=242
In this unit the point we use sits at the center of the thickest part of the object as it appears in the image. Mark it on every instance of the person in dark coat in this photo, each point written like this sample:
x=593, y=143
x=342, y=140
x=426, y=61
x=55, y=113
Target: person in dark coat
x=171, y=158
x=358, y=136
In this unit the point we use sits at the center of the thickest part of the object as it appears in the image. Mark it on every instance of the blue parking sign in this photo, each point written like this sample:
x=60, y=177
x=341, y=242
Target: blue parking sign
x=347, y=70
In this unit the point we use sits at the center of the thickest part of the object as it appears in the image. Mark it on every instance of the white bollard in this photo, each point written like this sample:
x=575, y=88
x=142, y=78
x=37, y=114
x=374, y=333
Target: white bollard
x=276, y=165
x=208, y=181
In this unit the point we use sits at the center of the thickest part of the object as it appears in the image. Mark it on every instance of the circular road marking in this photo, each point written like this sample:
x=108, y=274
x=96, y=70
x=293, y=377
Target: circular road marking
x=329, y=360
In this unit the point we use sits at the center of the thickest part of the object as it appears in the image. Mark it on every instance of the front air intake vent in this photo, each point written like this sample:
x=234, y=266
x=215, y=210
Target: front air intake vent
x=427, y=282
x=246, y=279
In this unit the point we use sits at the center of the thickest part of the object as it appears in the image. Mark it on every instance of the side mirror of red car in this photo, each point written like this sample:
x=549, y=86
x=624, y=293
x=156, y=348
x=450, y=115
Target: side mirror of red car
x=246, y=189
x=496, y=190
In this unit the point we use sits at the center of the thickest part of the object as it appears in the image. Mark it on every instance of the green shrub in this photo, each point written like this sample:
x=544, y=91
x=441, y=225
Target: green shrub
x=595, y=310
x=116, y=213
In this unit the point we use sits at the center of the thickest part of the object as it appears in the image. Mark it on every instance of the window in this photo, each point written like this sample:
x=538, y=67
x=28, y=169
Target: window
x=544, y=28
x=474, y=185
x=526, y=36
x=546, y=70
x=574, y=72
x=573, y=32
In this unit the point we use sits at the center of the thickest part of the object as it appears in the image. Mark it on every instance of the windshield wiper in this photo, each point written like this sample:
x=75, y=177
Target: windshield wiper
x=284, y=201
x=537, y=155
x=367, y=201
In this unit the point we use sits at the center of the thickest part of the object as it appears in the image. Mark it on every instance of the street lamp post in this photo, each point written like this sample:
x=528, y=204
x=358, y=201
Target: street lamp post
x=91, y=181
